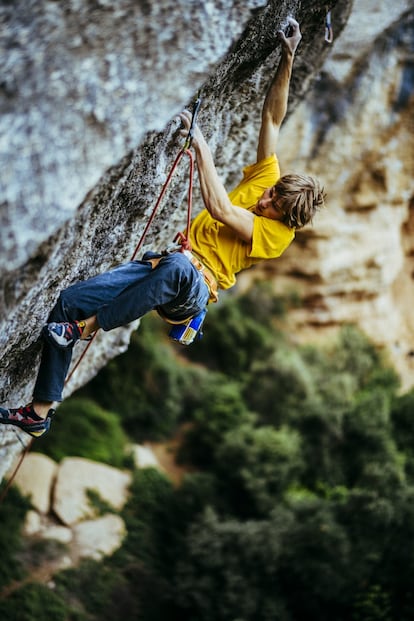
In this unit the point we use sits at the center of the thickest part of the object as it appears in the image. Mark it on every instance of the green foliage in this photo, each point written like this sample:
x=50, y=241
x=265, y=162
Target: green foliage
x=146, y=386
x=96, y=592
x=262, y=304
x=41, y=551
x=402, y=416
x=256, y=465
x=33, y=602
x=315, y=563
x=375, y=458
x=373, y=605
x=354, y=353
x=148, y=515
x=82, y=428
x=229, y=569
x=12, y=513
x=301, y=507
x=98, y=504
x=280, y=385
x=231, y=339
x=220, y=409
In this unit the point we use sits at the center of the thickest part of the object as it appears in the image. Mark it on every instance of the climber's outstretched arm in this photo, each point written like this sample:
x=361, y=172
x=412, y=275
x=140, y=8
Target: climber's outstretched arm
x=213, y=191
x=275, y=103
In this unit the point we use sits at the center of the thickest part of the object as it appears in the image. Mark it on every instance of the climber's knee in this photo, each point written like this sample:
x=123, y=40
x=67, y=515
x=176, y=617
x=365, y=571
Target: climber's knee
x=177, y=263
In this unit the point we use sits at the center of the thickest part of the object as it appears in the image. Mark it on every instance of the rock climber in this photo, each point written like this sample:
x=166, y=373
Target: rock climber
x=254, y=222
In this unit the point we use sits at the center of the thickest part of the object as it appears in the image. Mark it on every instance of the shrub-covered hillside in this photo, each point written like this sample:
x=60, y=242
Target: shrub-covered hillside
x=299, y=505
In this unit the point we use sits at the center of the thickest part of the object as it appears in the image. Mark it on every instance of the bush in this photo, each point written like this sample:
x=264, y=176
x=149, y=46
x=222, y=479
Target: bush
x=280, y=386
x=228, y=569
x=147, y=386
x=256, y=466
x=33, y=602
x=315, y=563
x=370, y=452
x=12, y=513
x=402, y=423
x=84, y=429
x=231, y=340
x=220, y=409
x=96, y=592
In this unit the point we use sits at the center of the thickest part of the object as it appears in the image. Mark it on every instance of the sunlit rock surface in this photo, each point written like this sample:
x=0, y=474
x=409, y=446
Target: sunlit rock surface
x=75, y=477
x=62, y=511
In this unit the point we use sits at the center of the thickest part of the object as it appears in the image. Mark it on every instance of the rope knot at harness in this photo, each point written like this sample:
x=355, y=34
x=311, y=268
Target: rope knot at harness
x=183, y=240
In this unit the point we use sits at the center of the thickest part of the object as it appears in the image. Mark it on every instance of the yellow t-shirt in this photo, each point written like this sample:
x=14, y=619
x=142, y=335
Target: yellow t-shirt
x=221, y=249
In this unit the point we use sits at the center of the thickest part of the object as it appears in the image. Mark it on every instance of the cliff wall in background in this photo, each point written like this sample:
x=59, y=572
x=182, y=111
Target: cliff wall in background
x=89, y=93
x=356, y=132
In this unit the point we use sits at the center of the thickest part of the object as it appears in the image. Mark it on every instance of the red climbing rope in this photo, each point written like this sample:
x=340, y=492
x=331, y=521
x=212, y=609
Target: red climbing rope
x=15, y=471
x=161, y=196
x=184, y=238
x=184, y=241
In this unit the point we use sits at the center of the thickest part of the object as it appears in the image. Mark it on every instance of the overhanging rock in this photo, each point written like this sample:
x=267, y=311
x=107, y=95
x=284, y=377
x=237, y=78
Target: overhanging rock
x=89, y=95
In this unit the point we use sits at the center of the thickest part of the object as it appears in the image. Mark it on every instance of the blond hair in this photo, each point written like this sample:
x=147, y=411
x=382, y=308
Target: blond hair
x=299, y=197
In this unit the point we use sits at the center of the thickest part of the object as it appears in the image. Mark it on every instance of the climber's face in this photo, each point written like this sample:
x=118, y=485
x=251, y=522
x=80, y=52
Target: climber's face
x=268, y=205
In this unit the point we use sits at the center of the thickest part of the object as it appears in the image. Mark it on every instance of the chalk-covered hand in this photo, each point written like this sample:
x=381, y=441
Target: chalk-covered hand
x=292, y=40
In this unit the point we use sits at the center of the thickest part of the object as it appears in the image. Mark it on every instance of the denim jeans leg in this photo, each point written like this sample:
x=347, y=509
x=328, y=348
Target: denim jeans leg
x=174, y=285
x=79, y=302
x=193, y=292
x=54, y=364
x=118, y=297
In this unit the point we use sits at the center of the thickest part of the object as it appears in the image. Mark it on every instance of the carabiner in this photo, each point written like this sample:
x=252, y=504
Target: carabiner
x=189, y=139
x=328, y=28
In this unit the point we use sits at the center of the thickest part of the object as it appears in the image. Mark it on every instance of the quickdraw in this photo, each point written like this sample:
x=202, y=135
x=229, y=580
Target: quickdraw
x=328, y=28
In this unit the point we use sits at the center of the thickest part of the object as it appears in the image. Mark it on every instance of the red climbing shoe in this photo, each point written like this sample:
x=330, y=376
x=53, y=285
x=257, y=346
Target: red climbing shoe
x=26, y=418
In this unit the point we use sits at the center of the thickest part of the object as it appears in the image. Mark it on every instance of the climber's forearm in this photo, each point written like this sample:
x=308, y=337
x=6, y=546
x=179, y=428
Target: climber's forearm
x=276, y=100
x=275, y=104
x=213, y=192
x=215, y=196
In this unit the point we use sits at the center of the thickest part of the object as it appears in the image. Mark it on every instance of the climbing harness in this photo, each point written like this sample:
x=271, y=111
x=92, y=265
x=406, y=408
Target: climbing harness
x=185, y=331
x=328, y=28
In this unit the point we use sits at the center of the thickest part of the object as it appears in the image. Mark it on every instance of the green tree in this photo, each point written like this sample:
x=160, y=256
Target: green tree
x=397, y=562
x=316, y=563
x=403, y=429
x=33, y=602
x=371, y=455
x=228, y=570
x=256, y=465
x=231, y=340
x=279, y=385
x=147, y=386
x=372, y=605
x=220, y=409
x=13, y=510
x=84, y=429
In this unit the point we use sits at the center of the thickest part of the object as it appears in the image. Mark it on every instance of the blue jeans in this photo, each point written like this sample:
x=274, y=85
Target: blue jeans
x=118, y=297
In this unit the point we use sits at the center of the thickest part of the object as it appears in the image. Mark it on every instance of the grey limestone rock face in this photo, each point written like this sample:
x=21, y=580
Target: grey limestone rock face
x=89, y=94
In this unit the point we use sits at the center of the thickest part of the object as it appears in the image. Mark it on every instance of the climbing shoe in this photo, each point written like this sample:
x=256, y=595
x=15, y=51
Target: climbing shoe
x=64, y=334
x=26, y=418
